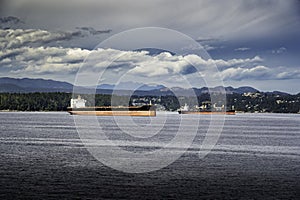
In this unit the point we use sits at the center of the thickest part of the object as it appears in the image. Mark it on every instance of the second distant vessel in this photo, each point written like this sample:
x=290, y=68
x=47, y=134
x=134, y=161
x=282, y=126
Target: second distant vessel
x=206, y=110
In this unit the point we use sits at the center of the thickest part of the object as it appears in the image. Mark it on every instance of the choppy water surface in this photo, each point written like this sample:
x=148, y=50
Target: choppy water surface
x=256, y=157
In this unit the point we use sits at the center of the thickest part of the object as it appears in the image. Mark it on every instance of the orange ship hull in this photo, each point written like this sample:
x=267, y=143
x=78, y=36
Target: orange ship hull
x=145, y=110
x=150, y=113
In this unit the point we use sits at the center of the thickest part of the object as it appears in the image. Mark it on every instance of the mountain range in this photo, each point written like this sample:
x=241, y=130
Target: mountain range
x=33, y=85
x=28, y=85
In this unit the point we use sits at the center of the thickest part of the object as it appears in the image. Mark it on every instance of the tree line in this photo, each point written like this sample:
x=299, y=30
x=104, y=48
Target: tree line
x=59, y=101
x=56, y=101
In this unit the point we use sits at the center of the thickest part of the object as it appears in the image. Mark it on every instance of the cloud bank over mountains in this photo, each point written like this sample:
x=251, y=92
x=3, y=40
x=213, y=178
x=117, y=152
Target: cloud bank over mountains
x=26, y=52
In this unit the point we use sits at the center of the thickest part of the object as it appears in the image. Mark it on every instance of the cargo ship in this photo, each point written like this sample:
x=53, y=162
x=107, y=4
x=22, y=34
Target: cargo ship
x=206, y=111
x=78, y=108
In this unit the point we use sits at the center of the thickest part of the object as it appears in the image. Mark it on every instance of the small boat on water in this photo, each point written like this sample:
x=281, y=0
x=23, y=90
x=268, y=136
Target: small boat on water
x=78, y=108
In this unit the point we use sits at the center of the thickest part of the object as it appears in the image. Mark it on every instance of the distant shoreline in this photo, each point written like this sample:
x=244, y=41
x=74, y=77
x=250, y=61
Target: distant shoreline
x=45, y=111
x=171, y=112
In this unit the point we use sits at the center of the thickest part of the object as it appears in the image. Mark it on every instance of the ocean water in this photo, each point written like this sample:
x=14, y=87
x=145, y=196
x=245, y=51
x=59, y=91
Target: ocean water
x=257, y=156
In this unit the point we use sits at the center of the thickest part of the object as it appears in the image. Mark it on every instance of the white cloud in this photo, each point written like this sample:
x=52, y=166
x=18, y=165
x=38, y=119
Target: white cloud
x=239, y=73
x=208, y=47
x=259, y=73
x=292, y=74
x=163, y=64
x=42, y=59
x=242, y=49
x=220, y=63
x=279, y=51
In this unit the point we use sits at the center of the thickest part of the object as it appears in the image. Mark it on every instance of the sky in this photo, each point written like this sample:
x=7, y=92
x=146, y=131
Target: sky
x=252, y=42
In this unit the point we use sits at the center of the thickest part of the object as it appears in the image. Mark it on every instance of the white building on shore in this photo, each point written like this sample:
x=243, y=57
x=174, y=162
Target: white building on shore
x=78, y=103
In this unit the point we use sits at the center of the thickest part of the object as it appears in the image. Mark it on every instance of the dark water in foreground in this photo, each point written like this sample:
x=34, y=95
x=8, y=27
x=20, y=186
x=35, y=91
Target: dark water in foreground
x=257, y=157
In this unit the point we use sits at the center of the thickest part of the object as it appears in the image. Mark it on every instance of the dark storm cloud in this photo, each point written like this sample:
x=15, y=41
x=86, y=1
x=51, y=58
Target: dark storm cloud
x=206, y=40
x=93, y=31
x=16, y=38
x=189, y=69
x=10, y=21
x=247, y=40
x=229, y=18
